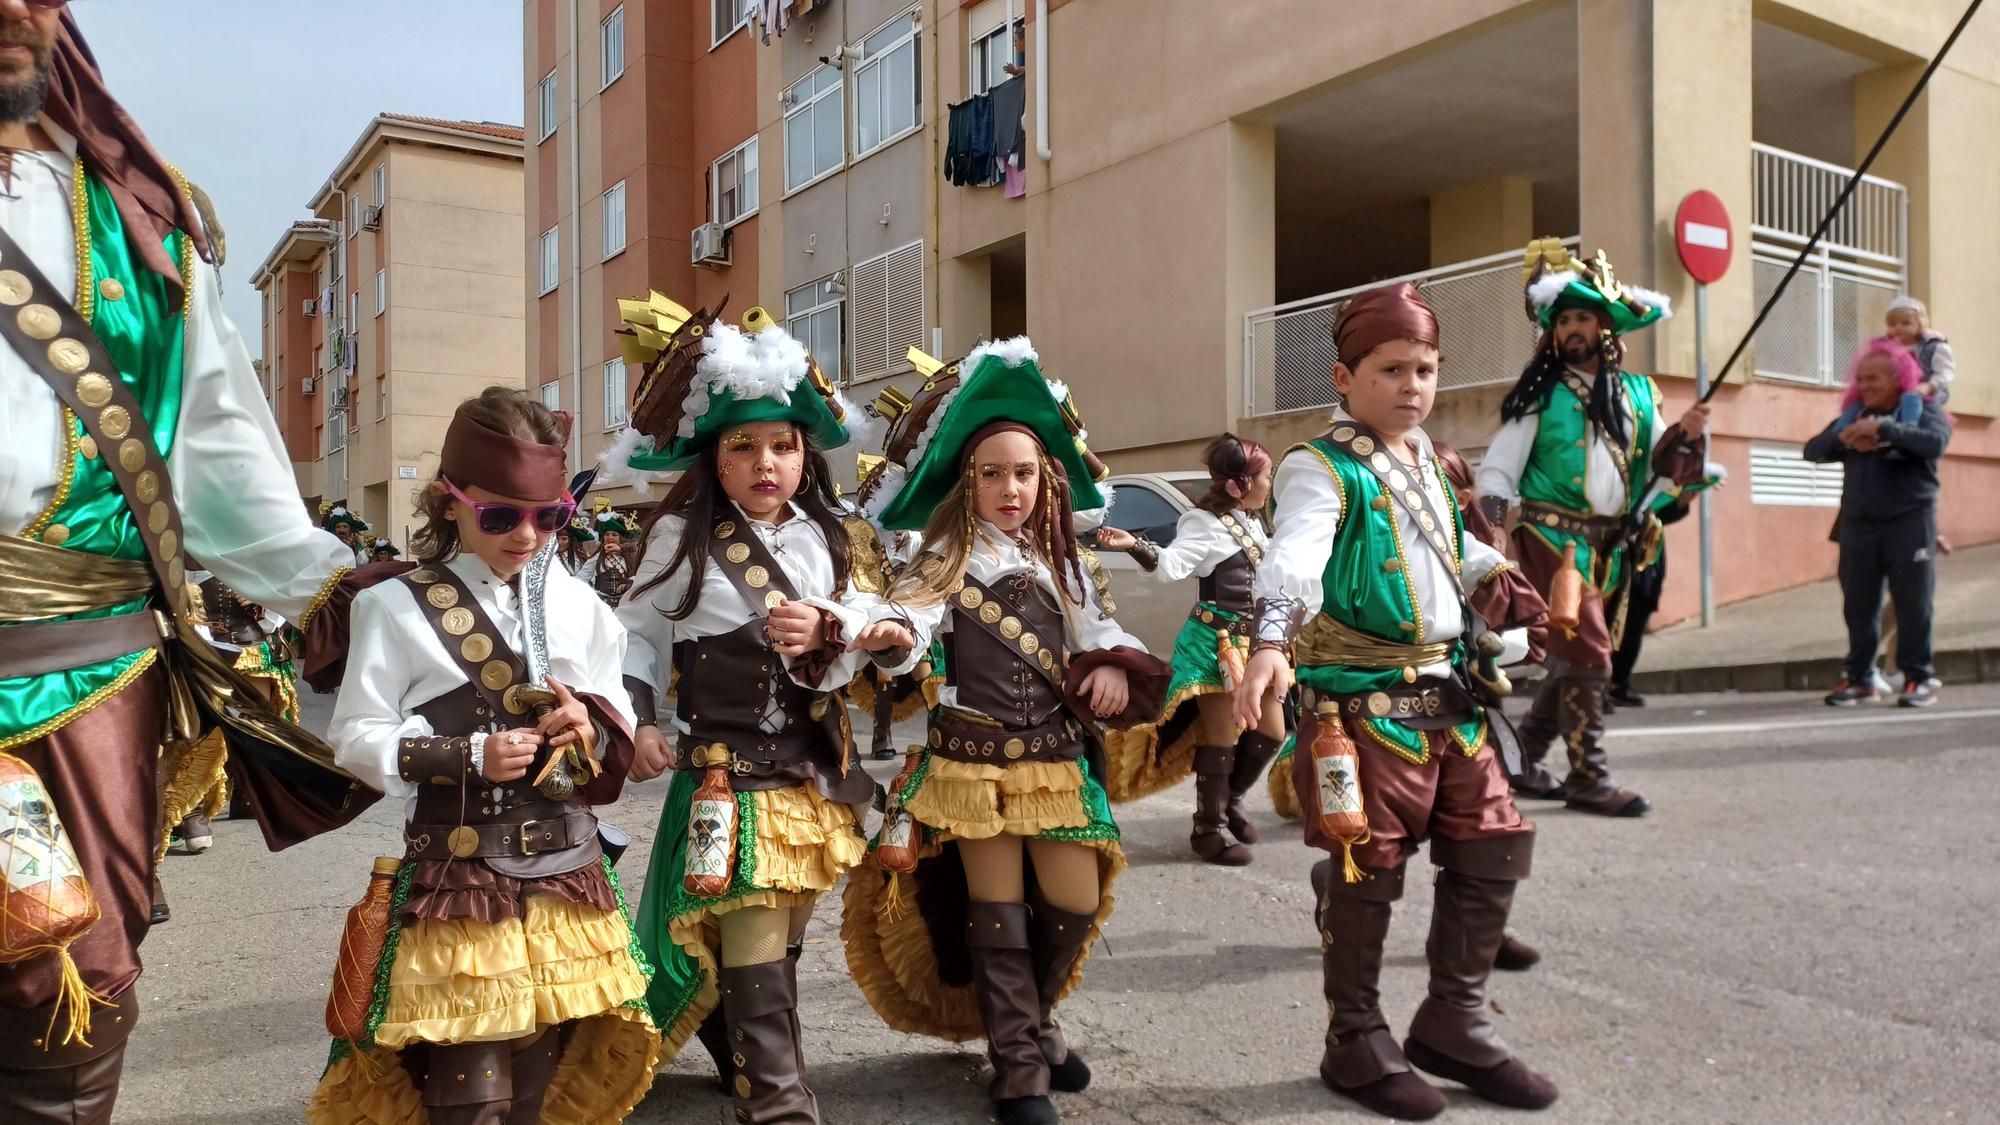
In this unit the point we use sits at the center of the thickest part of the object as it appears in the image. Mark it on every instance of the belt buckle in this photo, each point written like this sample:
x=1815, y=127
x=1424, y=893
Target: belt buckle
x=739, y=765
x=527, y=828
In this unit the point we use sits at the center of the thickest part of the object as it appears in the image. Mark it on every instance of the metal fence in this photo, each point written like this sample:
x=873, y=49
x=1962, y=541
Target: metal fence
x=1844, y=288
x=1288, y=351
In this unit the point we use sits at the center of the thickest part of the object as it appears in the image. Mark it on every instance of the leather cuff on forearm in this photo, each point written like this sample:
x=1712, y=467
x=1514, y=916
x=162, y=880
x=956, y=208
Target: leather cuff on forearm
x=1279, y=620
x=437, y=760
x=1146, y=554
x=645, y=708
x=892, y=657
x=1494, y=508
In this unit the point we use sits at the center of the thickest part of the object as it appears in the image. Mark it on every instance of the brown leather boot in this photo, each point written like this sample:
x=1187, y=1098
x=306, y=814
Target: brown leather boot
x=469, y=1084
x=1211, y=838
x=1538, y=731
x=1589, y=787
x=1452, y=1035
x=1254, y=754
x=714, y=1036
x=1362, y=1061
x=758, y=1003
x=1003, y=976
x=1515, y=955
x=1059, y=937
x=534, y=1067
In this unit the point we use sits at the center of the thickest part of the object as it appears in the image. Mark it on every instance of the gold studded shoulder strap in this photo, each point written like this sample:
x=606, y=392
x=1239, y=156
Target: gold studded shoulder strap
x=469, y=636
x=57, y=343
x=977, y=603
x=741, y=556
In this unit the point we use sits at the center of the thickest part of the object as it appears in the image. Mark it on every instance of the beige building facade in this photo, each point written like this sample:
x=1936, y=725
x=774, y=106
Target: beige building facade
x=400, y=298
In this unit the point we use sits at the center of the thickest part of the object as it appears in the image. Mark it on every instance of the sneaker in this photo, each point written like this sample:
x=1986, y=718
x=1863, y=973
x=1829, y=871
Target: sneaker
x=1917, y=695
x=195, y=833
x=1848, y=693
x=1879, y=682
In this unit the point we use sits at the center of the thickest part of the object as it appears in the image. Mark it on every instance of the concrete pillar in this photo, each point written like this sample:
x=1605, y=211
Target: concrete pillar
x=1480, y=218
x=965, y=309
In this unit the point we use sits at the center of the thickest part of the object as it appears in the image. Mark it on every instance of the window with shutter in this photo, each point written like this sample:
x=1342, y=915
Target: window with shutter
x=1780, y=475
x=886, y=311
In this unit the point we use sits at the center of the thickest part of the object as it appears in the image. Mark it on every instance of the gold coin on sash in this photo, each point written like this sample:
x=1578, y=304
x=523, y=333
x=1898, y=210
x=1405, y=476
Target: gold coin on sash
x=1430, y=522
x=757, y=577
x=443, y=597
x=115, y=423
x=495, y=675
x=111, y=289
x=1364, y=445
x=14, y=287
x=69, y=356
x=423, y=577
x=737, y=552
x=991, y=612
x=970, y=597
x=773, y=599
x=1398, y=479
x=1010, y=627
x=1378, y=703
x=458, y=622
x=158, y=515
x=1047, y=658
x=132, y=455
x=94, y=389
x=725, y=529
x=1014, y=748
x=170, y=544
x=87, y=446
x=1030, y=643
x=1380, y=462
x=1415, y=498
x=476, y=647
x=40, y=321
x=176, y=572
x=463, y=841
x=147, y=485
x=1343, y=434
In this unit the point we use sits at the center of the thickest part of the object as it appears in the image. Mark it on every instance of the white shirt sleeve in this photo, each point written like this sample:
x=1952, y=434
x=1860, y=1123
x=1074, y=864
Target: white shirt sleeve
x=1089, y=628
x=604, y=660
x=240, y=505
x=927, y=623
x=649, y=645
x=368, y=722
x=1943, y=367
x=1480, y=559
x=1200, y=543
x=1507, y=458
x=1660, y=426
x=1308, y=514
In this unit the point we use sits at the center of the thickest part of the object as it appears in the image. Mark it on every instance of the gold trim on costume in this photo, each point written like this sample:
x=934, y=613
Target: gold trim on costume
x=319, y=599
x=1325, y=640
x=90, y=703
x=40, y=580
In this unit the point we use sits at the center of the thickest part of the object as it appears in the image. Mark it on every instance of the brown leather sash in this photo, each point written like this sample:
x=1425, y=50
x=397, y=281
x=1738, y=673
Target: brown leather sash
x=741, y=556
x=1598, y=531
x=977, y=603
x=474, y=643
x=41, y=647
x=1360, y=443
x=57, y=343
x=1237, y=532
x=987, y=745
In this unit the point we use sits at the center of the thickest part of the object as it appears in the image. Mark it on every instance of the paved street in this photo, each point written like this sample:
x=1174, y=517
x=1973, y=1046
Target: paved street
x=1799, y=933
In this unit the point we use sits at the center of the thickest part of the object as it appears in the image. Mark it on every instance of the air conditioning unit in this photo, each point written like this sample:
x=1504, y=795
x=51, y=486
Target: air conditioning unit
x=371, y=219
x=711, y=245
x=338, y=399
x=308, y=307
x=308, y=385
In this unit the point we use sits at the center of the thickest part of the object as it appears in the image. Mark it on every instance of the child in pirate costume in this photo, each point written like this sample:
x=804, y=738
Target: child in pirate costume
x=1015, y=847
x=569, y=544
x=485, y=689
x=1580, y=442
x=1371, y=576
x=1220, y=540
x=608, y=572
x=765, y=600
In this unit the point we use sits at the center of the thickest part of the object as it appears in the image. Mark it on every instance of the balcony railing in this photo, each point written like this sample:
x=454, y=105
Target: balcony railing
x=1288, y=350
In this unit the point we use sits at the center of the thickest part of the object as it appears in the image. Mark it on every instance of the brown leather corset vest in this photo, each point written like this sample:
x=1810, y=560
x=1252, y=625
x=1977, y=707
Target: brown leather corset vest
x=1227, y=587
x=990, y=677
x=735, y=691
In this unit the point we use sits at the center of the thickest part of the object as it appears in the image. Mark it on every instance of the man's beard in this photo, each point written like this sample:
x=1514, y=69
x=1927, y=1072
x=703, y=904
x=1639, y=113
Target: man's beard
x=22, y=100
x=1575, y=352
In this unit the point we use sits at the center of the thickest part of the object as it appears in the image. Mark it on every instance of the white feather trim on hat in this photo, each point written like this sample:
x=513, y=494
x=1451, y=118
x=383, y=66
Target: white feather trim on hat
x=1546, y=288
x=893, y=476
x=1659, y=301
x=1013, y=352
x=766, y=365
x=614, y=467
x=1717, y=470
x=865, y=430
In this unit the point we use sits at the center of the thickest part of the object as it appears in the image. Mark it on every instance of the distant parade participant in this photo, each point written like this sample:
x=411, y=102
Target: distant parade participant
x=136, y=436
x=381, y=550
x=569, y=544
x=484, y=689
x=1580, y=441
x=1220, y=541
x=994, y=869
x=1371, y=580
x=609, y=572
x=347, y=527
x=767, y=602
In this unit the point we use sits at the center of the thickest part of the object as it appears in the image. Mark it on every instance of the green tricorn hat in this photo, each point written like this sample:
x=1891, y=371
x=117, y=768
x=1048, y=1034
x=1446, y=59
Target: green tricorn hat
x=703, y=377
x=609, y=520
x=999, y=381
x=377, y=545
x=579, y=530
x=335, y=514
x=1558, y=280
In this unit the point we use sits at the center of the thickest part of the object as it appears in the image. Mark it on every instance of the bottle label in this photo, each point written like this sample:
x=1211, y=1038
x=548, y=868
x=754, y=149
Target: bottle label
x=897, y=830
x=36, y=851
x=1339, y=784
x=711, y=834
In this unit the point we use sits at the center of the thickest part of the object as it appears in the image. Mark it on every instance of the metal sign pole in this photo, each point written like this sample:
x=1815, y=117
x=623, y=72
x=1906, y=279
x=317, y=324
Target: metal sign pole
x=1707, y=515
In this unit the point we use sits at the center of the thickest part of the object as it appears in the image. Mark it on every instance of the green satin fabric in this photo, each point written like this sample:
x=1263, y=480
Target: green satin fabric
x=145, y=332
x=1559, y=466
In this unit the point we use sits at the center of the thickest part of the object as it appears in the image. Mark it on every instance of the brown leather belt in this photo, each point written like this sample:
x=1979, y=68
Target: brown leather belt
x=1600, y=531
x=39, y=647
x=984, y=745
x=1208, y=614
x=1438, y=704
x=525, y=838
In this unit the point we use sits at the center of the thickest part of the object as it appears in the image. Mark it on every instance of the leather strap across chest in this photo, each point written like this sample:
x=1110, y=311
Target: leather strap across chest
x=740, y=554
x=470, y=637
x=977, y=604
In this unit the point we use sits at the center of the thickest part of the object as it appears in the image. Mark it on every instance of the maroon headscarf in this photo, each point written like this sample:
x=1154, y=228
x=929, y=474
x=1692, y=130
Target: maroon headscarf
x=1392, y=312
x=475, y=456
x=1059, y=541
x=109, y=142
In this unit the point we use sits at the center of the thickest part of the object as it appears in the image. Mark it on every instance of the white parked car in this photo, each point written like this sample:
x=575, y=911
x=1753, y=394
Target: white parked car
x=1150, y=504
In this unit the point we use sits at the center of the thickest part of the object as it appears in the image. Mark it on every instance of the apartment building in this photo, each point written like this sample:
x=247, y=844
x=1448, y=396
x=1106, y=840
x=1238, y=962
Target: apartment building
x=1203, y=185
x=400, y=297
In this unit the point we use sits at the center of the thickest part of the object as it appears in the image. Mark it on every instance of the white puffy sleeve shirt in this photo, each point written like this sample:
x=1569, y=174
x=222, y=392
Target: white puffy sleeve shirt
x=1201, y=544
x=1514, y=443
x=396, y=663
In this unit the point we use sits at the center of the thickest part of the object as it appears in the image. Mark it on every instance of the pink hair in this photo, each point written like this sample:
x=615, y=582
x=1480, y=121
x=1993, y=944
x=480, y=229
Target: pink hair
x=1255, y=460
x=1908, y=374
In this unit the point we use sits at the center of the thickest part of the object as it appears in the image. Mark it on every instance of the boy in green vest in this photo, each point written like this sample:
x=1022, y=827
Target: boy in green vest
x=1372, y=579
x=1580, y=441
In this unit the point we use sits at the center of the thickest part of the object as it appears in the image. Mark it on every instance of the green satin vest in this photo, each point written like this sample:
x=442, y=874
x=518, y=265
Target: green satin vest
x=134, y=311
x=1558, y=469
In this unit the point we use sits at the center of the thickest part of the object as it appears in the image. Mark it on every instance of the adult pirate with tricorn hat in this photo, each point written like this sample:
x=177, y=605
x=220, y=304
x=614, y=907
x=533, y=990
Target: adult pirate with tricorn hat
x=1579, y=443
x=133, y=438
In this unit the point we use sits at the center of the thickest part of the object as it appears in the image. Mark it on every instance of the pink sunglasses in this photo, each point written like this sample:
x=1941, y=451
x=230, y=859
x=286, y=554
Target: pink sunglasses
x=499, y=519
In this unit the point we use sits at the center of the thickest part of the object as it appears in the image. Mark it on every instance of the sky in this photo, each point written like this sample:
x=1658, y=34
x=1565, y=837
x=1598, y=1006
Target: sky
x=257, y=100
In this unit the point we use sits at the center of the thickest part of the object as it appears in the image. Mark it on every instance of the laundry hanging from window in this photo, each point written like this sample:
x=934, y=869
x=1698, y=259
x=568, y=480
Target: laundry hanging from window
x=986, y=139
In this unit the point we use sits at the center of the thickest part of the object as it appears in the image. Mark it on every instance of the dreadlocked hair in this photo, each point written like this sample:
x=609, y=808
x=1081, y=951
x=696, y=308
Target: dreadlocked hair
x=1530, y=394
x=695, y=498
x=954, y=528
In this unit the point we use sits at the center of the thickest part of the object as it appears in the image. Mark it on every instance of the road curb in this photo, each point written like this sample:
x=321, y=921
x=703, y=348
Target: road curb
x=1954, y=666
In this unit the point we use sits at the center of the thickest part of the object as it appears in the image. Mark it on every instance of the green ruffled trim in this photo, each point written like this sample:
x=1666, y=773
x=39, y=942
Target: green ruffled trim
x=378, y=1004
x=637, y=1004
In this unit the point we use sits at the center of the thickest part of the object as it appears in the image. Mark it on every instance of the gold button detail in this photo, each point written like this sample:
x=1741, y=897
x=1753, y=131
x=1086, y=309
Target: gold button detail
x=40, y=321
x=147, y=486
x=476, y=647
x=158, y=515
x=1409, y=675
x=15, y=290
x=1392, y=565
x=69, y=356
x=1576, y=480
x=132, y=454
x=1407, y=626
x=757, y=577
x=742, y=1086
x=1380, y=503
x=111, y=289
x=1580, y=443
x=87, y=446
x=56, y=535
x=443, y=597
x=115, y=423
x=458, y=622
x=495, y=674
x=737, y=552
x=94, y=389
